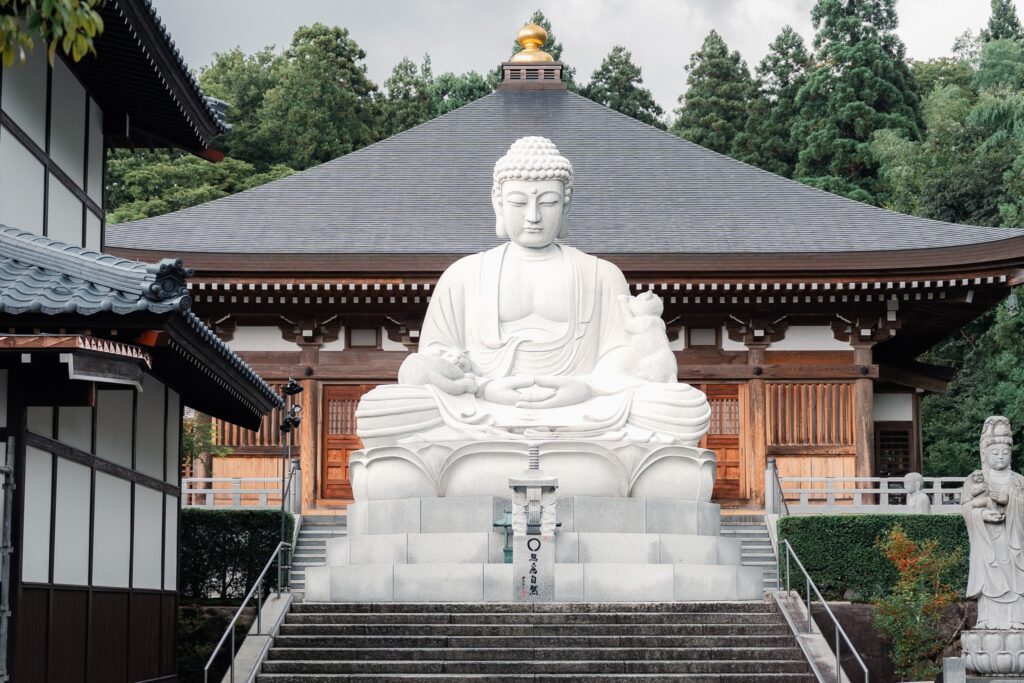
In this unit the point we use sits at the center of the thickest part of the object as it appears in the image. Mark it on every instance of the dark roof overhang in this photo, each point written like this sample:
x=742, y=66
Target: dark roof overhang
x=148, y=95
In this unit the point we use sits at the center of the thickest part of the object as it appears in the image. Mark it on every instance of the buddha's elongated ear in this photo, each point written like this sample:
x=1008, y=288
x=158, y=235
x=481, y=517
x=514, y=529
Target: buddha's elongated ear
x=563, y=229
x=499, y=221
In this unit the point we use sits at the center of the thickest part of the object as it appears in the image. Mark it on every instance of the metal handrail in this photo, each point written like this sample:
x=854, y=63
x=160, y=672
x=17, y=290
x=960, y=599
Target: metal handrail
x=257, y=589
x=809, y=583
x=776, y=504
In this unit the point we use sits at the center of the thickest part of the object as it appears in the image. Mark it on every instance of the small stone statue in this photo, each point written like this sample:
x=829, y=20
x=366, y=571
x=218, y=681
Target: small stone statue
x=642, y=317
x=917, y=500
x=993, y=505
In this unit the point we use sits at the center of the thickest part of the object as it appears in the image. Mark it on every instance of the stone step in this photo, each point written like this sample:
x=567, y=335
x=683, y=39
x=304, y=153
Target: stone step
x=538, y=678
x=533, y=666
x=496, y=607
x=721, y=648
x=591, y=618
x=528, y=630
x=679, y=639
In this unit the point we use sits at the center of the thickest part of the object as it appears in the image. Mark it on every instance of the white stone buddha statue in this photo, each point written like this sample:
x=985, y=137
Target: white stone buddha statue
x=532, y=341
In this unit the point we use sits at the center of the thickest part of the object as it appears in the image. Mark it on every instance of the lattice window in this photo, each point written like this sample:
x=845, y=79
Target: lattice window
x=725, y=415
x=810, y=414
x=893, y=451
x=341, y=415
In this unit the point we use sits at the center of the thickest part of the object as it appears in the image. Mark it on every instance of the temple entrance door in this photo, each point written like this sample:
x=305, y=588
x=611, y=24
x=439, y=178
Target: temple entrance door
x=724, y=439
x=339, y=438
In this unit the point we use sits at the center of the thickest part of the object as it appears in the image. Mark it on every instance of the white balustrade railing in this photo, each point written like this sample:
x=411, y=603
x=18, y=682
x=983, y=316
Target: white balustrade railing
x=241, y=492
x=849, y=495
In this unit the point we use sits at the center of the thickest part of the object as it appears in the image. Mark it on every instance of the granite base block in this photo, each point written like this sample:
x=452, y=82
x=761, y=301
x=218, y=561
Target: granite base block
x=450, y=548
x=627, y=582
x=439, y=583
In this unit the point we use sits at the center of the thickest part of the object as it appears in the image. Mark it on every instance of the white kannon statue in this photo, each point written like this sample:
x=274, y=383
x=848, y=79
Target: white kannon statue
x=532, y=341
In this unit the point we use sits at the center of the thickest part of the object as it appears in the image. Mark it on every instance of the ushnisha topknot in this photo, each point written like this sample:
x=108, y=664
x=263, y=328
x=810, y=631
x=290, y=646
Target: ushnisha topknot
x=533, y=158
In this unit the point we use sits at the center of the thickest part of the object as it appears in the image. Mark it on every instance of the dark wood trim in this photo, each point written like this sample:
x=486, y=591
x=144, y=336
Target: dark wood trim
x=1004, y=256
x=50, y=166
x=89, y=460
x=812, y=450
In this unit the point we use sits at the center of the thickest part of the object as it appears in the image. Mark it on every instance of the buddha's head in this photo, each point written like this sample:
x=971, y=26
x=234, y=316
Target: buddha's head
x=996, y=443
x=913, y=482
x=532, y=193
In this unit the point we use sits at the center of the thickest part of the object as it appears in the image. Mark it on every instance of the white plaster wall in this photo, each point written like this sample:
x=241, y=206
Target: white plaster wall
x=388, y=345
x=260, y=338
x=729, y=344
x=35, y=560
x=74, y=427
x=93, y=231
x=171, y=543
x=679, y=343
x=24, y=95
x=809, y=338
x=67, y=123
x=173, y=436
x=336, y=345
x=114, y=425
x=111, y=531
x=71, y=523
x=64, y=214
x=363, y=337
x=149, y=428
x=21, y=185
x=94, y=181
x=40, y=420
x=894, y=407
x=146, y=560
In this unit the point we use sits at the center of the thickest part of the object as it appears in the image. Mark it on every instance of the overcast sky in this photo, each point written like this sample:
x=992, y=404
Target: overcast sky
x=464, y=35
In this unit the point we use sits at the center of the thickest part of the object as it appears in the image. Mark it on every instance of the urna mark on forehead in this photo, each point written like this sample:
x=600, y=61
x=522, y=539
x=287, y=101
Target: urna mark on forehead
x=533, y=158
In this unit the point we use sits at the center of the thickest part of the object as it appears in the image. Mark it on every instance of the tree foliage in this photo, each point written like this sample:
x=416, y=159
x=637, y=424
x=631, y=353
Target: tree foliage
x=618, y=84
x=714, y=106
x=767, y=140
x=70, y=25
x=860, y=84
x=409, y=96
x=1003, y=23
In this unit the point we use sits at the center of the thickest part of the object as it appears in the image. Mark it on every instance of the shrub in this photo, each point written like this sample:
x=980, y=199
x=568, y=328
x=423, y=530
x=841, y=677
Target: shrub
x=911, y=615
x=223, y=551
x=841, y=555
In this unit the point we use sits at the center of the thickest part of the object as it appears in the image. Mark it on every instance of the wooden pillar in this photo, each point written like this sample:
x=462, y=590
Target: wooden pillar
x=310, y=442
x=757, y=440
x=864, y=413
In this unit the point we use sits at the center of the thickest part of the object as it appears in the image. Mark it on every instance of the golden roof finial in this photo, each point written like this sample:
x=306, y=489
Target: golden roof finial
x=531, y=37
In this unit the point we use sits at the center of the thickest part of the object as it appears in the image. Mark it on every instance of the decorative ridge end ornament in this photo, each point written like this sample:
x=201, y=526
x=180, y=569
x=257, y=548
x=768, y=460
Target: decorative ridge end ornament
x=531, y=37
x=170, y=282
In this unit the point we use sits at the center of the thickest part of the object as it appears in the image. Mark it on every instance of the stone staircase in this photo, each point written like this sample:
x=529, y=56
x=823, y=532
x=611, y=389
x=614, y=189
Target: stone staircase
x=756, y=545
x=311, y=546
x=585, y=642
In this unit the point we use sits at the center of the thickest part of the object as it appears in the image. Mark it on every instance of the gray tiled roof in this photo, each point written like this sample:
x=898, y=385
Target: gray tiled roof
x=637, y=190
x=40, y=275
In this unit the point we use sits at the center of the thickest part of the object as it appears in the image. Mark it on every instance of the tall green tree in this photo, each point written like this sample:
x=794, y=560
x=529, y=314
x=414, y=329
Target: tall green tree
x=552, y=47
x=409, y=96
x=323, y=104
x=618, y=84
x=861, y=84
x=715, y=104
x=452, y=91
x=243, y=81
x=766, y=140
x=1003, y=23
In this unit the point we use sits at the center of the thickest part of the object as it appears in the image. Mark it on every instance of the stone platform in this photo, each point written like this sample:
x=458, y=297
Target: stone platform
x=606, y=550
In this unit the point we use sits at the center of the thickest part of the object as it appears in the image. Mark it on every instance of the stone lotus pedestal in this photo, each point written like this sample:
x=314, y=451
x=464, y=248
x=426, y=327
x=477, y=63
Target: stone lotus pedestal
x=583, y=468
x=992, y=652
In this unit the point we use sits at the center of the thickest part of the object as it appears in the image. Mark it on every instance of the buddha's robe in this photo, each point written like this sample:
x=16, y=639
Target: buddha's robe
x=996, y=576
x=463, y=318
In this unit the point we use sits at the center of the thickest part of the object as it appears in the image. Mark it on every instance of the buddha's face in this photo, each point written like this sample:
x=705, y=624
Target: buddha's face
x=531, y=212
x=998, y=456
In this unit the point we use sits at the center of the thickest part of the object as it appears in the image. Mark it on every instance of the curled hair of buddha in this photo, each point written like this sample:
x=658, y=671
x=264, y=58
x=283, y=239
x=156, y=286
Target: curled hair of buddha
x=532, y=158
x=996, y=430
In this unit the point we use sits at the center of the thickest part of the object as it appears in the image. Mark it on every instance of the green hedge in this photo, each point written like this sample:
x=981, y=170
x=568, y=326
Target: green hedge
x=839, y=551
x=223, y=551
